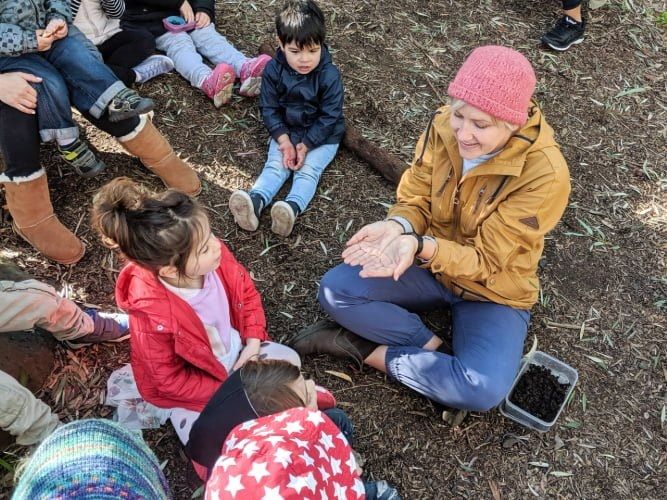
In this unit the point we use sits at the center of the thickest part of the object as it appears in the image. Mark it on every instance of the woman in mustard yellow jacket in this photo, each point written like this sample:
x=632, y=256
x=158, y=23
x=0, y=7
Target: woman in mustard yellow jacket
x=487, y=183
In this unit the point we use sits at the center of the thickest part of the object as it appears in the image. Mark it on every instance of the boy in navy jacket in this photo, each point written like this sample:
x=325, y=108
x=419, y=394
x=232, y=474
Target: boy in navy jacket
x=302, y=107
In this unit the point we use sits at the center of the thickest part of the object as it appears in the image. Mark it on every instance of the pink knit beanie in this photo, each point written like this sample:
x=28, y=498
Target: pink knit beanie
x=497, y=80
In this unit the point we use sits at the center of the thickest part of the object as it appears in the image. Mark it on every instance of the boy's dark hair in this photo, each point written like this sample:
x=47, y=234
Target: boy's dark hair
x=301, y=22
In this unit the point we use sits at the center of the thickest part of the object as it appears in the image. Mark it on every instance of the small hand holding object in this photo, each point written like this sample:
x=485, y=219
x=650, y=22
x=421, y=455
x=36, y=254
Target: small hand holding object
x=16, y=91
x=202, y=19
x=301, y=152
x=250, y=351
x=57, y=29
x=187, y=12
x=44, y=41
x=289, y=154
x=372, y=236
x=393, y=261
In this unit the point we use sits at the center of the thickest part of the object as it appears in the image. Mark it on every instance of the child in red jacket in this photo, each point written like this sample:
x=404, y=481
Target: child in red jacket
x=195, y=314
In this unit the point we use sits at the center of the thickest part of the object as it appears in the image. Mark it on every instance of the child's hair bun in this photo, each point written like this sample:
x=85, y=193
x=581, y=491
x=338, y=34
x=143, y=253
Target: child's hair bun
x=122, y=194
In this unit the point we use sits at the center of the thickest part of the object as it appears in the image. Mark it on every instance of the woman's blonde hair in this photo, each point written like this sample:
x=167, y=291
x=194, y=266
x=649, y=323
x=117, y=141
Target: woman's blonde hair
x=457, y=104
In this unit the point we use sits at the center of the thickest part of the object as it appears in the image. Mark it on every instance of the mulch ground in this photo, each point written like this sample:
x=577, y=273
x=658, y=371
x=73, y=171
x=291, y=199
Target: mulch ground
x=602, y=307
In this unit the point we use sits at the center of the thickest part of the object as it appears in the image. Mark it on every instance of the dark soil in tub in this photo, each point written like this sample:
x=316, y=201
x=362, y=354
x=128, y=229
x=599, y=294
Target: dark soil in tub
x=539, y=392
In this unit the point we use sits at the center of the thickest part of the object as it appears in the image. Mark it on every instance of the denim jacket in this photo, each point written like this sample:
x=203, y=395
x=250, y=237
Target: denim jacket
x=19, y=19
x=309, y=108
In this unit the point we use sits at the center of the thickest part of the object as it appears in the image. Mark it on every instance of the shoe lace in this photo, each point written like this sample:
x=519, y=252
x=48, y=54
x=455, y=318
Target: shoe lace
x=562, y=27
x=80, y=157
x=126, y=98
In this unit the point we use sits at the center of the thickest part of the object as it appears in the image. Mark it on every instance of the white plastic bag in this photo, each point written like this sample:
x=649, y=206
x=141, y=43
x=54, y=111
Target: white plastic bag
x=132, y=411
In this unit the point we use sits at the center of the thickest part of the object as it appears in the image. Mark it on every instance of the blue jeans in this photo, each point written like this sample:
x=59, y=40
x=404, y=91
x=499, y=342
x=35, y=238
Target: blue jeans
x=487, y=338
x=72, y=74
x=304, y=183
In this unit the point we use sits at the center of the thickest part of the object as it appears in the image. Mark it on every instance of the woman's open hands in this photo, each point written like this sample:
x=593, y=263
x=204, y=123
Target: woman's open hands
x=370, y=241
x=392, y=261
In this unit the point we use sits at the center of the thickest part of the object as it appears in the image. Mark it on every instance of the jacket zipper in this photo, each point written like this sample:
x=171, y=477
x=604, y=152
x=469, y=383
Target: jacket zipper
x=479, y=199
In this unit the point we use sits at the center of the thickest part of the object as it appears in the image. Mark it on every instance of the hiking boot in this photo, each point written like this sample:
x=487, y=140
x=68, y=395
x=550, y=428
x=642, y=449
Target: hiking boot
x=564, y=34
x=283, y=217
x=108, y=327
x=127, y=103
x=151, y=67
x=246, y=209
x=219, y=84
x=82, y=157
x=328, y=337
x=251, y=75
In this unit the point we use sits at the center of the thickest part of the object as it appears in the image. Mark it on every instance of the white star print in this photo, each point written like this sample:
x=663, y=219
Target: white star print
x=281, y=416
x=342, y=437
x=248, y=425
x=323, y=495
x=231, y=442
x=226, y=463
x=283, y=457
x=300, y=443
x=340, y=491
x=307, y=458
x=310, y=482
x=262, y=431
x=320, y=450
x=293, y=427
x=250, y=448
x=234, y=485
x=297, y=483
x=324, y=473
x=215, y=494
x=275, y=440
x=272, y=493
x=335, y=466
x=315, y=417
x=359, y=487
x=326, y=440
x=258, y=471
x=241, y=444
x=352, y=463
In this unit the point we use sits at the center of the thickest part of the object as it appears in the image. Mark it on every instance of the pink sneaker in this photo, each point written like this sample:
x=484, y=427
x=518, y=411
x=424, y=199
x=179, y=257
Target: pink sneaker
x=251, y=75
x=219, y=84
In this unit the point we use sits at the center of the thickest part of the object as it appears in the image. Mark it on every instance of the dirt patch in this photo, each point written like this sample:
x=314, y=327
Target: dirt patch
x=604, y=291
x=539, y=392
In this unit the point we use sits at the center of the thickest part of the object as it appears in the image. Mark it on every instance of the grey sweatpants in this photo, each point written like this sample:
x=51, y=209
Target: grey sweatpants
x=22, y=414
x=27, y=304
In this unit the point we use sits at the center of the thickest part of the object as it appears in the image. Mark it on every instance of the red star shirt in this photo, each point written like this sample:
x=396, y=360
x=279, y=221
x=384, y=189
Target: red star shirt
x=297, y=454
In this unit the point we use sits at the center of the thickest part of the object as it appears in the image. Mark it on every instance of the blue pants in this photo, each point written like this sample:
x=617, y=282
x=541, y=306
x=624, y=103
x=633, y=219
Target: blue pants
x=304, y=184
x=72, y=74
x=487, y=338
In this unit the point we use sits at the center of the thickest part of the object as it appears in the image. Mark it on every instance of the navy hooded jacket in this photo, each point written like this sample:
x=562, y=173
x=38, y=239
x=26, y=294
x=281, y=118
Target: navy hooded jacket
x=309, y=108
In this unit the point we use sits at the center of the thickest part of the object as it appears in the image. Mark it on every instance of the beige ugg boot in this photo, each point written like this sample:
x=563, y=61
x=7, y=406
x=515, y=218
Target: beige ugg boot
x=29, y=204
x=155, y=152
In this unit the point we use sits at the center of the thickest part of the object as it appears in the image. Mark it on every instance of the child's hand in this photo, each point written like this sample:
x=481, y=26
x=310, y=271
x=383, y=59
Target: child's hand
x=44, y=42
x=202, y=19
x=289, y=154
x=187, y=12
x=250, y=351
x=301, y=152
x=57, y=28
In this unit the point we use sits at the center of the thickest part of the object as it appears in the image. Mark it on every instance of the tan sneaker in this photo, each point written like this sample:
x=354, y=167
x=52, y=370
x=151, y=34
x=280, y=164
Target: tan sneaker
x=243, y=210
x=282, y=218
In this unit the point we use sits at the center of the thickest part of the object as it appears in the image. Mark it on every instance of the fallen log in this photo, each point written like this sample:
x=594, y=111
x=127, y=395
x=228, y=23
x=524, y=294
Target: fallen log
x=390, y=167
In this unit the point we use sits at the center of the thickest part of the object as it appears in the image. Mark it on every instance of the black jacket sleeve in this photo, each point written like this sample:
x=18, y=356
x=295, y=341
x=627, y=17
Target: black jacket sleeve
x=205, y=6
x=155, y=4
x=269, y=101
x=331, y=108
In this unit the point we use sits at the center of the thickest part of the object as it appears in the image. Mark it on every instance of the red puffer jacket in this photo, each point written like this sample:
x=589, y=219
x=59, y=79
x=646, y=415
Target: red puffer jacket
x=172, y=360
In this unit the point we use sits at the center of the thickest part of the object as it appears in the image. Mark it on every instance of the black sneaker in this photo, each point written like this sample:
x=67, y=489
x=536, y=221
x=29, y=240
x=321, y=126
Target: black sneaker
x=82, y=157
x=127, y=103
x=566, y=33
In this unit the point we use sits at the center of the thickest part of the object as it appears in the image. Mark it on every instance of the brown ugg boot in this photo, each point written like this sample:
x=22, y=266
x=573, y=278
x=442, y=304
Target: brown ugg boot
x=155, y=152
x=34, y=221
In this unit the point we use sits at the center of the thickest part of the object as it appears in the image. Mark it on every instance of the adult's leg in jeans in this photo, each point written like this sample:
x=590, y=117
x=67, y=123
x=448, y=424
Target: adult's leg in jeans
x=380, y=309
x=187, y=61
x=273, y=175
x=215, y=47
x=22, y=414
x=125, y=50
x=304, y=183
x=19, y=145
x=91, y=83
x=487, y=344
x=54, y=113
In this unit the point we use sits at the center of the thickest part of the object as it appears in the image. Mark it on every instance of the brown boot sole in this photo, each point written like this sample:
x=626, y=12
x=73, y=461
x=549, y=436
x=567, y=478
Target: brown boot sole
x=68, y=262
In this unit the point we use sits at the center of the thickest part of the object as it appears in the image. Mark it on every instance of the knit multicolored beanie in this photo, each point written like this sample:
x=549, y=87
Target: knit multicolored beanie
x=497, y=80
x=94, y=459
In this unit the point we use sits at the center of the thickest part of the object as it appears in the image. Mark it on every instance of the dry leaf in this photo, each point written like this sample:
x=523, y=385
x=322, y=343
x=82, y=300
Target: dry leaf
x=344, y=376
